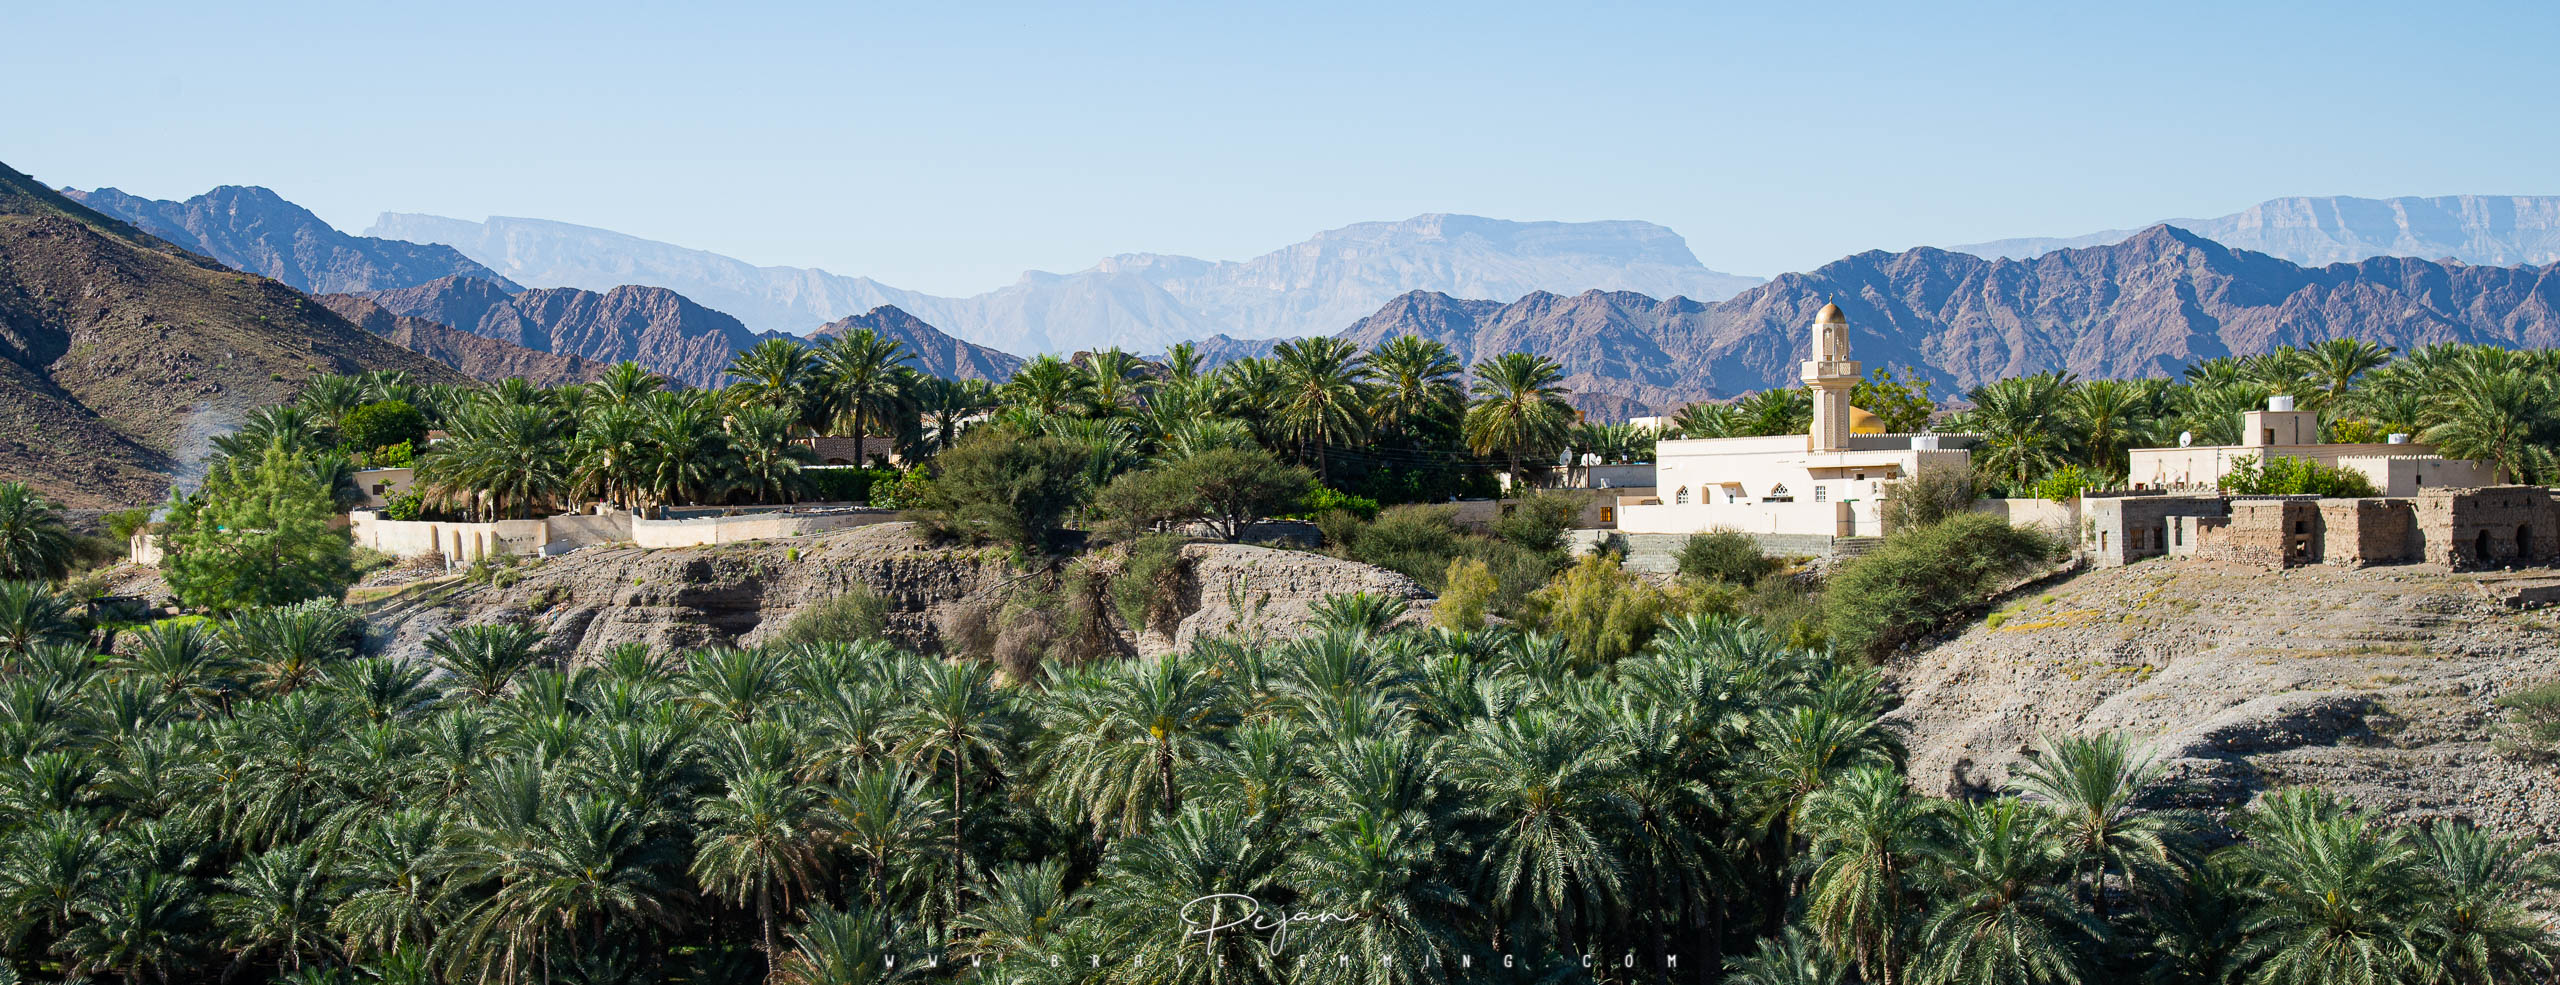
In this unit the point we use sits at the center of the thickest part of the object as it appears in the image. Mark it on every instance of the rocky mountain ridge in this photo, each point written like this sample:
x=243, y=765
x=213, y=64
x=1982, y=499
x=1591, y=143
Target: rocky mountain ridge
x=2148, y=305
x=122, y=355
x=656, y=327
x=2496, y=230
x=254, y=229
x=1138, y=301
x=929, y=350
x=485, y=359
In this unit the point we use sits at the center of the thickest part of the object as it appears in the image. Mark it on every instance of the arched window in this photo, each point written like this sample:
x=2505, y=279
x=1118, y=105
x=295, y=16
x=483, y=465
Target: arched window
x=1779, y=494
x=1681, y=497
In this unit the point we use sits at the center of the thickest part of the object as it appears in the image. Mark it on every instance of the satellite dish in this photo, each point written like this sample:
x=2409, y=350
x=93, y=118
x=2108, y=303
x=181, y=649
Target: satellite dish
x=1565, y=458
x=2186, y=438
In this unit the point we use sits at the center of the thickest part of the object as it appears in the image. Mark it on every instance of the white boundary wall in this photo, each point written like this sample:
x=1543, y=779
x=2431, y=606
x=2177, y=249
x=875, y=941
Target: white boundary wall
x=708, y=530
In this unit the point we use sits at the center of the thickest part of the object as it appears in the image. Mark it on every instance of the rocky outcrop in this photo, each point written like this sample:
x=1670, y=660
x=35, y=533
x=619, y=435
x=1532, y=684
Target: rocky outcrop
x=485, y=359
x=652, y=326
x=2377, y=683
x=256, y=230
x=592, y=600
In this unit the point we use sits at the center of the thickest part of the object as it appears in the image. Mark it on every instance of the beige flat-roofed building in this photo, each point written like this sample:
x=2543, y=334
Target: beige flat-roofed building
x=1828, y=482
x=2396, y=468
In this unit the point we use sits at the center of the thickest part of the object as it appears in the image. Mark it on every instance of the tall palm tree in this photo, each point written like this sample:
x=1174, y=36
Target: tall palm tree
x=1416, y=385
x=1379, y=874
x=1198, y=868
x=2334, y=365
x=2499, y=416
x=279, y=900
x=286, y=649
x=837, y=947
x=2476, y=928
x=1871, y=838
x=956, y=718
x=1793, y=957
x=1115, y=382
x=890, y=823
x=947, y=407
x=1025, y=910
x=1775, y=411
x=140, y=925
x=578, y=867
x=688, y=457
x=760, y=840
x=863, y=383
x=2003, y=917
x=34, y=544
x=1121, y=736
x=2095, y=785
x=1546, y=788
x=395, y=897
x=1519, y=411
x=626, y=384
x=785, y=375
x=1706, y=420
x=1320, y=400
x=2110, y=417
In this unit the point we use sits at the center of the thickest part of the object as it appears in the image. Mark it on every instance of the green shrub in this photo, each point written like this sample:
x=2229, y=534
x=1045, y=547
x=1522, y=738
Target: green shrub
x=1601, y=612
x=1000, y=485
x=2281, y=476
x=1724, y=555
x=1517, y=571
x=1936, y=493
x=2065, y=484
x=1538, y=521
x=1148, y=589
x=1416, y=541
x=2533, y=722
x=405, y=506
x=841, y=484
x=852, y=617
x=1466, y=590
x=381, y=424
x=1920, y=580
x=1320, y=500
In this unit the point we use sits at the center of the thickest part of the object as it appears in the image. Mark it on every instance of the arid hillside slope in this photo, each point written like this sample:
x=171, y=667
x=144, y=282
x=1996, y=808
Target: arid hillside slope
x=2378, y=683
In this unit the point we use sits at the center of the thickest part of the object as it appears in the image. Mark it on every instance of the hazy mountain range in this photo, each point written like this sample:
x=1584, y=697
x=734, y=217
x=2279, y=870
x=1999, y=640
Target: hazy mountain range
x=2148, y=305
x=1137, y=301
x=2500, y=230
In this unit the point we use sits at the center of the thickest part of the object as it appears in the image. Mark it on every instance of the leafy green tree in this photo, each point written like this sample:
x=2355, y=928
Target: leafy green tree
x=34, y=544
x=1902, y=404
x=1724, y=555
x=382, y=424
x=761, y=841
x=256, y=534
x=1920, y=578
x=997, y=484
x=1872, y=839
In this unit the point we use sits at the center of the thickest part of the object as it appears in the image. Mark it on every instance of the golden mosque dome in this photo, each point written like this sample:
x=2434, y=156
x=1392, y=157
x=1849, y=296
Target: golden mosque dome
x=1861, y=422
x=1830, y=313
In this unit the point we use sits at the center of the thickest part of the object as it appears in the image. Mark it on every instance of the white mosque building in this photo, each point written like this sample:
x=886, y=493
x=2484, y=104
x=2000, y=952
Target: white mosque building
x=1826, y=483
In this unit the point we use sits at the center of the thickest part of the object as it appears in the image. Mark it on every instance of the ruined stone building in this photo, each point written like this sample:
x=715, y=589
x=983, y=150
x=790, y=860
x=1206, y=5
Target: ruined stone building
x=2477, y=527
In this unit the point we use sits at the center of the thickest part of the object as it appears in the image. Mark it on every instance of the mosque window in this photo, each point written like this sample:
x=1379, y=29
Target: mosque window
x=1779, y=494
x=1681, y=497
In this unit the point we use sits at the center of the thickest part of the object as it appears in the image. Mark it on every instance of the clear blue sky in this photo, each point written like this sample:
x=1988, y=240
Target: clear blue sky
x=947, y=149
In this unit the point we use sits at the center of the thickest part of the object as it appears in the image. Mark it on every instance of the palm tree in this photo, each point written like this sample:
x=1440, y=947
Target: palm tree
x=1379, y=874
x=31, y=614
x=2498, y=416
x=582, y=866
x=277, y=899
x=2111, y=416
x=2003, y=918
x=1415, y=385
x=1046, y=385
x=1775, y=411
x=395, y=897
x=613, y=455
x=1115, y=382
x=836, y=947
x=626, y=384
x=2334, y=365
x=34, y=545
x=1198, y=869
x=1024, y=910
x=1790, y=958
x=759, y=840
x=1870, y=837
x=956, y=717
x=2335, y=895
x=1545, y=787
x=2026, y=427
x=888, y=821
x=1706, y=420
x=483, y=661
x=1519, y=410
x=686, y=453
x=1320, y=401
x=783, y=375
x=285, y=649
x=947, y=406
x=2477, y=929
x=1122, y=735
x=185, y=660
x=141, y=925
x=862, y=379
x=2095, y=785
x=500, y=461
x=766, y=464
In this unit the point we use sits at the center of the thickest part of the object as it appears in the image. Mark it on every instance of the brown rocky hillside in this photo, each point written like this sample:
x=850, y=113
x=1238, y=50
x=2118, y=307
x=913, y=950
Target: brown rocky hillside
x=929, y=349
x=2377, y=683
x=485, y=359
x=120, y=354
x=652, y=326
